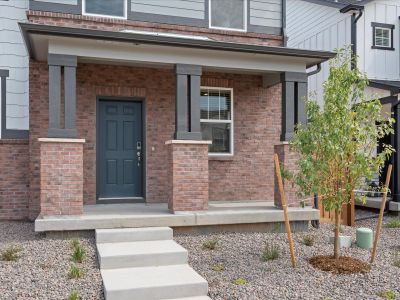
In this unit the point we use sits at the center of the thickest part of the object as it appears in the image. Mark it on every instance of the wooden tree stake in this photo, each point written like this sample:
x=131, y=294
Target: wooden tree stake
x=284, y=207
x=382, y=208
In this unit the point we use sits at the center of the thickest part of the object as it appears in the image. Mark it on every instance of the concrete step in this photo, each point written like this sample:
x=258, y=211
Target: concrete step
x=153, y=283
x=133, y=234
x=141, y=254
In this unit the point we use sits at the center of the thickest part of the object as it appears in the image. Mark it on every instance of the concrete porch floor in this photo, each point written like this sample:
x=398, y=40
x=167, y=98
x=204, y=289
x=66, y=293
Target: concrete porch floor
x=157, y=214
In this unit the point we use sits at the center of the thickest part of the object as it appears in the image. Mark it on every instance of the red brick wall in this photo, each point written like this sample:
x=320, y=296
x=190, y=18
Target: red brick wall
x=14, y=180
x=61, y=178
x=249, y=175
x=187, y=177
x=90, y=22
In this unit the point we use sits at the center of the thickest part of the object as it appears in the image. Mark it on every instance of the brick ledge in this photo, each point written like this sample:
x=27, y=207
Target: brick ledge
x=61, y=140
x=188, y=142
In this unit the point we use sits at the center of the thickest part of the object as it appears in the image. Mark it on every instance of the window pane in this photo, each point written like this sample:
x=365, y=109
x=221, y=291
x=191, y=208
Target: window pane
x=219, y=134
x=225, y=105
x=382, y=37
x=105, y=7
x=227, y=13
x=204, y=104
x=213, y=103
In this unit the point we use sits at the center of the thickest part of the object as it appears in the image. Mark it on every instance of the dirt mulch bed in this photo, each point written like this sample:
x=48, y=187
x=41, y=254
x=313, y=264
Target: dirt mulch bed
x=343, y=265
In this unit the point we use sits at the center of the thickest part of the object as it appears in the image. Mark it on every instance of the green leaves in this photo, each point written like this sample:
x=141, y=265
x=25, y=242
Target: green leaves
x=337, y=147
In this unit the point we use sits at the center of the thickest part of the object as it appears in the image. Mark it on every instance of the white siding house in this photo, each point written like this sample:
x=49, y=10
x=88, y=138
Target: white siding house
x=14, y=58
x=321, y=25
x=373, y=26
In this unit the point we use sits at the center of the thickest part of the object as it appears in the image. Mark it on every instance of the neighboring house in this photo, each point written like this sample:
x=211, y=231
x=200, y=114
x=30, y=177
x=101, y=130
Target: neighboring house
x=372, y=28
x=172, y=101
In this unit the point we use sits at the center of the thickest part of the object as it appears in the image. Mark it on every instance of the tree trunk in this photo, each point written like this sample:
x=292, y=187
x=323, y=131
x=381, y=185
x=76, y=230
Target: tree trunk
x=337, y=226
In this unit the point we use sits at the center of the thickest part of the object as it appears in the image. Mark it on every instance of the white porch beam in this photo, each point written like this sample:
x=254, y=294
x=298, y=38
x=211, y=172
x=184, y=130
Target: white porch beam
x=106, y=51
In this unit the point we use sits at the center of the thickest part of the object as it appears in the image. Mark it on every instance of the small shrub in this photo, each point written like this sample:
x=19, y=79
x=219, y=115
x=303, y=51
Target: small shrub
x=12, y=253
x=388, y=295
x=75, y=243
x=393, y=223
x=270, y=252
x=210, y=244
x=218, y=267
x=75, y=272
x=240, y=281
x=396, y=261
x=308, y=240
x=73, y=296
x=78, y=254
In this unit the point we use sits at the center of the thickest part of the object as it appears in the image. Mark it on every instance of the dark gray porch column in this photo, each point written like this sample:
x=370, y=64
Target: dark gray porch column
x=57, y=65
x=294, y=93
x=187, y=113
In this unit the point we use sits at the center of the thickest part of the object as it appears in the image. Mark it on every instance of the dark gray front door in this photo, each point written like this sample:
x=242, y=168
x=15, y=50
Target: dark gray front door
x=120, y=150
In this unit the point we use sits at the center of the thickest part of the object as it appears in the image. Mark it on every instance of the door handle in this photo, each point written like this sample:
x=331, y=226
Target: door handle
x=139, y=152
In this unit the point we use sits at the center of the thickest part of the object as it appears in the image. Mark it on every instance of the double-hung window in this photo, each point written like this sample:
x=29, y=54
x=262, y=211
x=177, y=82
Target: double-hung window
x=216, y=119
x=382, y=36
x=228, y=14
x=105, y=8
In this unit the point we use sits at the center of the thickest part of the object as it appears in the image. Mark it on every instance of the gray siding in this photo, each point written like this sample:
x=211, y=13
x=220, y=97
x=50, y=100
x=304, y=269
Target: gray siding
x=13, y=57
x=264, y=16
x=67, y=2
x=179, y=8
x=266, y=13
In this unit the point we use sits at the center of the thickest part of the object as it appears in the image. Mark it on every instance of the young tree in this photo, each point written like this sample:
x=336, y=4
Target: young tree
x=337, y=147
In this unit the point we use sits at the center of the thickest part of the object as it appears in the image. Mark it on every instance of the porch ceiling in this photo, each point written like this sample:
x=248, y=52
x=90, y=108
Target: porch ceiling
x=164, y=51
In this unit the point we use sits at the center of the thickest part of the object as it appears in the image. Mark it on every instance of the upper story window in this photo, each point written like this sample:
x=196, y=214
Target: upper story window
x=228, y=14
x=216, y=119
x=105, y=8
x=382, y=36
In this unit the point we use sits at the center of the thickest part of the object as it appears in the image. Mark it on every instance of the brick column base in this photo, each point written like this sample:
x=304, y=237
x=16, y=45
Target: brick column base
x=61, y=176
x=288, y=160
x=187, y=175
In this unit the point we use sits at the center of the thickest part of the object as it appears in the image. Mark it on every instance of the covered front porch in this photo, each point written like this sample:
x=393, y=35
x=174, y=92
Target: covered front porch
x=85, y=84
x=220, y=216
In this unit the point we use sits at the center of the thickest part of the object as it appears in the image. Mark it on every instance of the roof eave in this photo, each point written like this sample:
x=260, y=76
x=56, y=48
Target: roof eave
x=30, y=28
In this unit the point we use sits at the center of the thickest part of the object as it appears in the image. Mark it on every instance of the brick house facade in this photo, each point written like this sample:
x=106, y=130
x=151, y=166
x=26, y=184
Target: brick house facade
x=60, y=169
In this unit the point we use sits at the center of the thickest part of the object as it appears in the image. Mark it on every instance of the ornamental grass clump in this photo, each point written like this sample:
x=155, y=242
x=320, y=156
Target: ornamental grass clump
x=337, y=147
x=308, y=240
x=78, y=253
x=11, y=253
x=393, y=223
x=270, y=252
x=75, y=272
x=210, y=244
x=239, y=281
x=73, y=296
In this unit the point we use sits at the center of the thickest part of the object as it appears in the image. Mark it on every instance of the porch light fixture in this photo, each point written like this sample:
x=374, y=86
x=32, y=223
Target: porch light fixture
x=165, y=34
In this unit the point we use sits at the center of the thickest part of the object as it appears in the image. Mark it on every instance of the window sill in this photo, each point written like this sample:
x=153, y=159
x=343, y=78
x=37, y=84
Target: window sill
x=383, y=48
x=221, y=158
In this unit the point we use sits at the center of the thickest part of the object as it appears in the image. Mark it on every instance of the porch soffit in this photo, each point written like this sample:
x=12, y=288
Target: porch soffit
x=122, y=47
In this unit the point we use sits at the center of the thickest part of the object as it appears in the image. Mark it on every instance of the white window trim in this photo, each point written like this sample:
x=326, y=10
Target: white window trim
x=84, y=13
x=231, y=121
x=227, y=28
x=390, y=37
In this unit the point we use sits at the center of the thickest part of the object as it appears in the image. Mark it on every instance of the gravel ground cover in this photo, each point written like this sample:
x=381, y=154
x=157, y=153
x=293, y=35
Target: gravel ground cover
x=42, y=270
x=239, y=255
